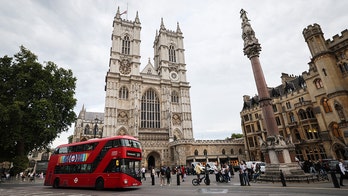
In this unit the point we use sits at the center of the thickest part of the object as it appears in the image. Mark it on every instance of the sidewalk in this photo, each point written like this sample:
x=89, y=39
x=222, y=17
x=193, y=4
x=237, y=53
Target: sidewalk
x=235, y=182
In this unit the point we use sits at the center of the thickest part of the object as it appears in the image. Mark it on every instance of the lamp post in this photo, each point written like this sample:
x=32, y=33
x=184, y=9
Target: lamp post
x=95, y=127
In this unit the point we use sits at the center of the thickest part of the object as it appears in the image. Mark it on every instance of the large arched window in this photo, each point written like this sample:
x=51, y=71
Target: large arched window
x=196, y=152
x=172, y=57
x=150, y=110
x=125, y=45
x=326, y=105
x=123, y=93
x=302, y=114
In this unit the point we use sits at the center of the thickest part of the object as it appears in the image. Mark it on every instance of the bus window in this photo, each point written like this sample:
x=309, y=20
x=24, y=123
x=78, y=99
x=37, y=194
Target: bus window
x=63, y=150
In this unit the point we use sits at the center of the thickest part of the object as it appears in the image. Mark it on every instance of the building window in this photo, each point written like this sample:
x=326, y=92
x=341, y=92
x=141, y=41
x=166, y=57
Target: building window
x=251, y=142
x=302, y=114
x=326, y=105
x=223, y=151
x=340, y=112
x=150, y=110
x=278, y=121
x=274, y=108
x=311, y=133
x=297, y=135
x=246, y=118
x=205, y=152
x=288, y=105
x=292, y=117
x=232, y=151
x=299, y=154
x=123, y=93
x=125, y=45
x=45, y=156
x=310, y=113
x=175, y=97
x=196, y=152
x=336, y=130
x=172, y=57
x=318, y=83
x=240, y=151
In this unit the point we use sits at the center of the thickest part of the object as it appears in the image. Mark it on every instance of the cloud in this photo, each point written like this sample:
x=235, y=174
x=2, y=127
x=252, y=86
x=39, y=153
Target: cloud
x=76, y=35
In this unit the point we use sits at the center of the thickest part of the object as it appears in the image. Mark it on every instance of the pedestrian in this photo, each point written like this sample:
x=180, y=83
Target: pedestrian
x=168, y=175
x=245, y=174
x=183, y=173
x=143, y=170
x=153, y=172
x=342, y=171
x=163, y=176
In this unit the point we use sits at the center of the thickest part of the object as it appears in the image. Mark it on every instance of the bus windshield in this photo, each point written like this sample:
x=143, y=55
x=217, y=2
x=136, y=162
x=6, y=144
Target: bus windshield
x=126, y=166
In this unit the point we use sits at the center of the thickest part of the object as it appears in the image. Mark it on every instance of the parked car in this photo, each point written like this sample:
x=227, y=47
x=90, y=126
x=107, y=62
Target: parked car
x=211, y=167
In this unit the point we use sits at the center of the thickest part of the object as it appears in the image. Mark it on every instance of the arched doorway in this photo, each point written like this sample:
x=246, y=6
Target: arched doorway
x=153, y=160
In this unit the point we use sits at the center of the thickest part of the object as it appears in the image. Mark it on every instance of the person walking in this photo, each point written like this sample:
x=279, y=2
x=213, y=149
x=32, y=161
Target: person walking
x=163, y=175
x=143, y=170
x=342, y=171
x=168, y=175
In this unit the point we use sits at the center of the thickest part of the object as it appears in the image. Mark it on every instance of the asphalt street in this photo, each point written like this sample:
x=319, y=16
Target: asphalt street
x=18, y=188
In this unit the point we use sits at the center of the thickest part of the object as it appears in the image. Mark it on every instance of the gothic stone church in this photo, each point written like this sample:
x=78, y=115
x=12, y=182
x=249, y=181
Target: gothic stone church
x=152, y=104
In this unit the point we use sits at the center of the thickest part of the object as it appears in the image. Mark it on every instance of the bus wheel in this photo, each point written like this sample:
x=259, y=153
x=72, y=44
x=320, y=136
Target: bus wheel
x=99, y=184
x=56, y=183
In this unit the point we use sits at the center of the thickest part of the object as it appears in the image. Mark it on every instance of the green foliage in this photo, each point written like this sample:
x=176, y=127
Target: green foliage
x=36, y=103
x=20, y=164
x=236, y=135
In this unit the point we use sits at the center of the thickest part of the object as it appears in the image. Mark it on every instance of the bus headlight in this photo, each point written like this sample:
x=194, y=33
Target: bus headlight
x=125, y=181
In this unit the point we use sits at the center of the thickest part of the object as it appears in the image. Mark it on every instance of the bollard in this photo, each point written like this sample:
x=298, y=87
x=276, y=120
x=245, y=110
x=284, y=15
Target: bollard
x=178, y=179
x=282, y=179
x=334, y=179
x=207, y=180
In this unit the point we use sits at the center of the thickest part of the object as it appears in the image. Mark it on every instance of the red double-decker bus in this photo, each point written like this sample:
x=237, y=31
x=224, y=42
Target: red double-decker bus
x=112, y=162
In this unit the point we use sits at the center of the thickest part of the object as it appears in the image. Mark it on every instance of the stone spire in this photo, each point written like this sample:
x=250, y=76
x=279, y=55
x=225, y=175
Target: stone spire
x=251, y=43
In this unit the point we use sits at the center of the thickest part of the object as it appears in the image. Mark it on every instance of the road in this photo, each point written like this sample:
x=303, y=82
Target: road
x=16, y=188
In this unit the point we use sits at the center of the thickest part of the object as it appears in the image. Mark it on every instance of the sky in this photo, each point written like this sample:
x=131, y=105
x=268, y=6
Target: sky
x=76, y=35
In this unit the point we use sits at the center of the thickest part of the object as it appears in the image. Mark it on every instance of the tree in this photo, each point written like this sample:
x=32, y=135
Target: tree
x=36, y=103
x=236, y=135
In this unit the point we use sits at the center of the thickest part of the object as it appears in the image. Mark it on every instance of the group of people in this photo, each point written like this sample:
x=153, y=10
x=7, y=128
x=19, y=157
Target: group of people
x=165, y=174
x=249, y=173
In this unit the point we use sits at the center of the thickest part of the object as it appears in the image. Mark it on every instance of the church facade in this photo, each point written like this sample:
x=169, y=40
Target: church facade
x=153, y=104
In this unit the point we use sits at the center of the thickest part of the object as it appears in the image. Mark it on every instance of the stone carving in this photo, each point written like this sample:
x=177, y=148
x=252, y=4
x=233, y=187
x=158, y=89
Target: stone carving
x=176, y=119
x=251, y=43
x=122, y=118
x=262, y=142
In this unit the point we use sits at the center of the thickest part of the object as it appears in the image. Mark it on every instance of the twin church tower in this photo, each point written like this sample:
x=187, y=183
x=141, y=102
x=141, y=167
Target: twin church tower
x=152, y=104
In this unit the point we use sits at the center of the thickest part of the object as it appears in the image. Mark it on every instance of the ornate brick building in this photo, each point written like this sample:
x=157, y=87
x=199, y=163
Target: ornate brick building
x=311, y=109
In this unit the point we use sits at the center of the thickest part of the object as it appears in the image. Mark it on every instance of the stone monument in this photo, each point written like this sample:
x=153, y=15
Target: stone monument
x=279, y=154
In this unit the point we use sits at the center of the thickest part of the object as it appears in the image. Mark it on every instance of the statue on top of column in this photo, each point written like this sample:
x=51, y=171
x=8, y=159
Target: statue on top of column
x=251, y=43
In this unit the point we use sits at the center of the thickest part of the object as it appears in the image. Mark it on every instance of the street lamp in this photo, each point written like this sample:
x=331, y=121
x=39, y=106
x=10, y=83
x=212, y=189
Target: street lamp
x=95, y=127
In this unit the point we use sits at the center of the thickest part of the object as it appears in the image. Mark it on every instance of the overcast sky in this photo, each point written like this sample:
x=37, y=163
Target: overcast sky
x=76, y=35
